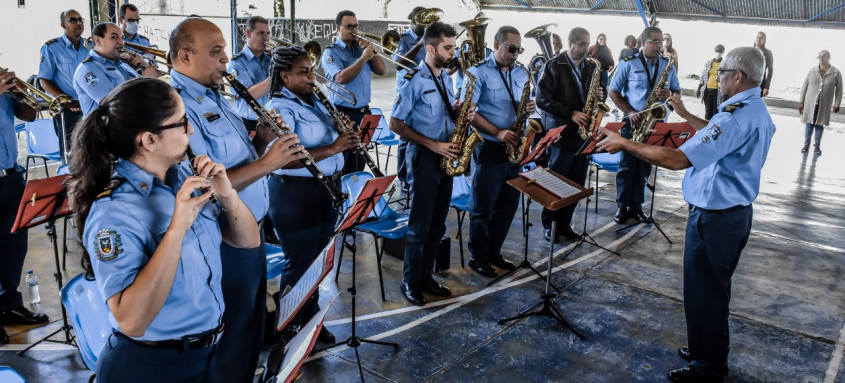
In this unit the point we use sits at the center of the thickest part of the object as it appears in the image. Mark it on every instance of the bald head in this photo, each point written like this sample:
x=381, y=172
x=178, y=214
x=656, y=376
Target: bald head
x=197, y=50
x=182, y=36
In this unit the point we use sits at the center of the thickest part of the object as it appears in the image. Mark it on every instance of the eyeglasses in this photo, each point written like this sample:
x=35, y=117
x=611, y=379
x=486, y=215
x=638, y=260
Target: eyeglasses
x=183, y=123
x=133, y=20
x=350, y=26
x=74, y=20
x=513, y=48
x=720, y=71
x=655, y=41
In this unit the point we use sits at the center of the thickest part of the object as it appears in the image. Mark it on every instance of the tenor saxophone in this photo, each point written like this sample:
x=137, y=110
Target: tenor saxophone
x=593, y=107
x=464, y=137
x=526, y=136
x=654, y=110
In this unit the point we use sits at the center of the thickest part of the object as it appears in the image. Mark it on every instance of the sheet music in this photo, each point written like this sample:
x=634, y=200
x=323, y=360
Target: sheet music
x=295, y=296
x=298, y=348
x=551, y=183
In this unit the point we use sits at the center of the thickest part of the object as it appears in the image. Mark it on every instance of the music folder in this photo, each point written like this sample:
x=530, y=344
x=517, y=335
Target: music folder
x=293, y=300
x=671, y=135
x=551, y=190
x=551, y=137
x=368, y=128
x=301, y=345
x=40, y=202
x=361, y=208
x=591, y=146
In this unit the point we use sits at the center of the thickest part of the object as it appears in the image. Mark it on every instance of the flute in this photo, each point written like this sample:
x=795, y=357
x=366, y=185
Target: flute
x=191, y=156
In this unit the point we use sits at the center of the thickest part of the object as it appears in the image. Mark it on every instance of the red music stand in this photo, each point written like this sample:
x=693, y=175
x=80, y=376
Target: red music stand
x=43, y=202
x=550, y=138
x=591, y=145
x=368, y=127
x=357, y=214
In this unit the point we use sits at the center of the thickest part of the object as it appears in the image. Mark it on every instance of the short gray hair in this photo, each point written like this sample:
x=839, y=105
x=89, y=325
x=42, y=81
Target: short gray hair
x=749, y=60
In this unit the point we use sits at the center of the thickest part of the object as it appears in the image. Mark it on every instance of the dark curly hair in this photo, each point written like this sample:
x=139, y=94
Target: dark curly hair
x=283, y=58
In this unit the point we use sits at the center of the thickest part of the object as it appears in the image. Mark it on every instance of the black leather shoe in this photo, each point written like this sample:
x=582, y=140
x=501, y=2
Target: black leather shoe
x=639, y=215
x=413, y=293
x=697, y=375
x=567, y=232
x=621, y=215
x=683, y=351
x=4, y=338
x=502, y=263
x=435, y=288
x=21, y=315
x=548, y=235
x=482, y=268
x=326, y=336
x=805, y=149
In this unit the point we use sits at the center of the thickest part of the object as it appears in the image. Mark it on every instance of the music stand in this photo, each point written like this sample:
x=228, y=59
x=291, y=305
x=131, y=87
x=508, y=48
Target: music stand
x=357, y=214
x=294, y=299
x=551, y=137
x=44, y=201
x=670, y=135
x=552, y=200
x=368, y=128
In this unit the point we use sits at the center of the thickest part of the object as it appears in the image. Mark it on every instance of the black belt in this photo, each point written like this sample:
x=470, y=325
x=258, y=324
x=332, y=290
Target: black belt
x=8, y=172
x=306, y=180
x=188, y=342
x=362, y=109
x=719, y=211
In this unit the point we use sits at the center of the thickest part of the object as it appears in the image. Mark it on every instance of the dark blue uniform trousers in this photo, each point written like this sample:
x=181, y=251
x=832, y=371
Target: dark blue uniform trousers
x=122, y=360
x=244, y=284
x=493, y=202
x=631, y=178
x=714, y=242
x=431, y=191
x=304, y=217
x=401, y=168
x=14, y=245
x=573, y=167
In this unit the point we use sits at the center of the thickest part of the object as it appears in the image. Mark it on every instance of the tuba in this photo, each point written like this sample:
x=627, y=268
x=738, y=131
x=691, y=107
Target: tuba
x=473, y=50
x=593, y=107
x=654, y=110
x=544, y=38
x=464, y=139
x=428, y=16
x=526, y=136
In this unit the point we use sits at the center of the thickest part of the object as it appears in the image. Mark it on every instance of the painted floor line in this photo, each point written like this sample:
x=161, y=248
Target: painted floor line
x=41, y=347
x=798, y=241
x=836, y=358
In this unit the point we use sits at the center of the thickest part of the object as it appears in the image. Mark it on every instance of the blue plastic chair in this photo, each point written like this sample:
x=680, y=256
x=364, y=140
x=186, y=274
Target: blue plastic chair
x=384, y=221
x=41, y=142
x=460, y=202
x=275, y=260
x=606, y=161
x=9, y=375
x=383, y=137
x=89, y=316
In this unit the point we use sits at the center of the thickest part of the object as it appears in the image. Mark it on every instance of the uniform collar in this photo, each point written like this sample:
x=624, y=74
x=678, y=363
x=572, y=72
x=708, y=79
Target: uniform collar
x=491, y=62
x=100, y=59
x=248, y=53
x=343, y=45
x=193, y=89
x=740, y=97
x=139, y=178
x=286, y=93
x=69, y=44
x=423, y=68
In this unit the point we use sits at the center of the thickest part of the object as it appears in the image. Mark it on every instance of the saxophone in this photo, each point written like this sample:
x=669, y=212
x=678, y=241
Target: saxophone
x=593, y=107
x=465, y=142
x=526, y=136
x=654, y=110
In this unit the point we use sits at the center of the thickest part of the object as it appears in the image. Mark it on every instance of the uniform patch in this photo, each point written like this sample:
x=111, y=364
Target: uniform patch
x=712, y=134
x=329, y=59
x=108, y=245
x=91, y=78
x=210, y=116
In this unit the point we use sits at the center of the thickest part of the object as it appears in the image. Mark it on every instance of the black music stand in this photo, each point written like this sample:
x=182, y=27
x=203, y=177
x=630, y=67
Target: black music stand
x=357, y=214
x=45, y=201
x=671, y=136
x=550, y=200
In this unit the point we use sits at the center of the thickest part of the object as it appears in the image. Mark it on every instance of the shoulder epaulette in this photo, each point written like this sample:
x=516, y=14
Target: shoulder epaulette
x=235, y=57
x=87, y=59
x=51, y=41
x=110, y=188
x=733, y=107
x=410, y=74
x=629, y=57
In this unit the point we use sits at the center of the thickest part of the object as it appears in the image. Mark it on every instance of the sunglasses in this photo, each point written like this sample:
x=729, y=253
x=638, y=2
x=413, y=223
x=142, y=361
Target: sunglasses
x=133, y=20
x=183, y=123
x=74, y=20
x=513, y=48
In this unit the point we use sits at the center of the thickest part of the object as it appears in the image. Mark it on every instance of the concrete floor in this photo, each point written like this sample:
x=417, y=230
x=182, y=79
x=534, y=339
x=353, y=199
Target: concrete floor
x=787, y=311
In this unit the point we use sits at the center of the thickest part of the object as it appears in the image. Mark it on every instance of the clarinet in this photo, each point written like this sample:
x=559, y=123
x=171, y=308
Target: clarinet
x=341, y=128
x=191, y=156
x=308, y=162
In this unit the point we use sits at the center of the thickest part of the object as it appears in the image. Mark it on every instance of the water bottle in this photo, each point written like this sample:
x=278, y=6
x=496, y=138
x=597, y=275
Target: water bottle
x=32, y=285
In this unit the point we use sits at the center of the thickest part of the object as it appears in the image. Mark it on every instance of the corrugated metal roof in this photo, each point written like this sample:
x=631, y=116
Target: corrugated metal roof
x=821, y=12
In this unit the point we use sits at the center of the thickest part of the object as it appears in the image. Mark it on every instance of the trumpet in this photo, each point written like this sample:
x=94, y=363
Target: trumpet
x=156, y=53
x=389, y=43
x=55, y=105
x=314, y=53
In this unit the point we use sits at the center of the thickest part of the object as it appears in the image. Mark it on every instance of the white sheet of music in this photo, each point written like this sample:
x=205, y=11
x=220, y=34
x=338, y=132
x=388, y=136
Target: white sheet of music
x=551, y=183
x=290, y=302
x=299, y=347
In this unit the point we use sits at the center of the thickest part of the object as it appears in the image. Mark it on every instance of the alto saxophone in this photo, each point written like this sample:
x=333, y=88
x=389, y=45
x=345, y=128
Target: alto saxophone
x=593, y=107
x=526, y=136
x=654, y=110
x=465, y=142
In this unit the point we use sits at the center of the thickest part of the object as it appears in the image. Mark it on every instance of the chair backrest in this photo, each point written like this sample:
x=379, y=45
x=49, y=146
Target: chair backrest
x=607, y=161
x=9, y=375
x=353, y=183
x=460, y=187
x=383, y=131
x=63, y=169
x=89, y=315
x=41, y=137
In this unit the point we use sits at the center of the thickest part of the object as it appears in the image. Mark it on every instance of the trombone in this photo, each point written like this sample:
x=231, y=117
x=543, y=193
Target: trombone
x=156, y=53
x=389, y=43
x=314, y=53
x=55, y=105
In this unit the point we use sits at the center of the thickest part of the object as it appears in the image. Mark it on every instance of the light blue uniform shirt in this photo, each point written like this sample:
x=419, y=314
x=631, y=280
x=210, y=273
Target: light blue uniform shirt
x=221, y=135
x=59, y=60
x=8, y=139
x=419, y=104
x=96, y=76
x=407, y=41
x=494, y=102
x=250, y=70
x=336, y=58
x=123, y=231
x=314, y=127
x=728, y=154
x=631, y=80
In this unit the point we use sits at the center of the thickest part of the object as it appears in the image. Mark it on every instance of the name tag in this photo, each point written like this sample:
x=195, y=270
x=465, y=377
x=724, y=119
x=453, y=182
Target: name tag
x=429, y=91
x=211, y=117
x=111, y=68
x=639, y=71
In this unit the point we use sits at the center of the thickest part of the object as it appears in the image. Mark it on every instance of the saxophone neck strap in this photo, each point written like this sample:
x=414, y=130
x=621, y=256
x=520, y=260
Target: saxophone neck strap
x=441, y=88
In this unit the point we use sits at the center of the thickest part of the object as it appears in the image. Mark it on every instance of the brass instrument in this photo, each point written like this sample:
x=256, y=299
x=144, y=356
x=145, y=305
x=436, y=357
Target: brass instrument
x=593, y=106
x=428, y=16
x=341, y=126
x=308, y=162
x=55, y=105
x=465, y=142
x=473, y=50
x=314, y=53
x=654, y=111
x=389, y=44
x=156, y=53
x=526, y=136
x=544, y=38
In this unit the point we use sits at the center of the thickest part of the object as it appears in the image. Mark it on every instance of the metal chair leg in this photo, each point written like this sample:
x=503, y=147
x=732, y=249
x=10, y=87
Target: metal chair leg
x=378, y=260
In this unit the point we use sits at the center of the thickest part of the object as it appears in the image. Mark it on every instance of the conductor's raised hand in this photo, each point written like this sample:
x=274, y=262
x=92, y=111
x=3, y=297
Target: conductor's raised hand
x=613, y=142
